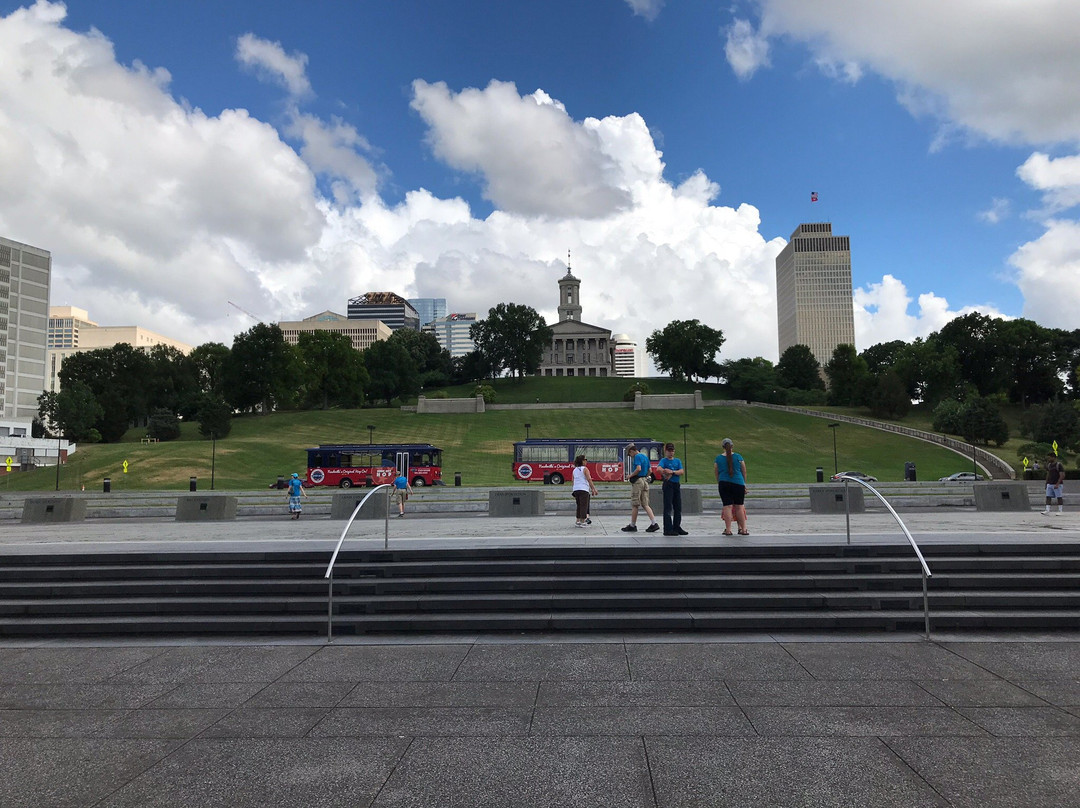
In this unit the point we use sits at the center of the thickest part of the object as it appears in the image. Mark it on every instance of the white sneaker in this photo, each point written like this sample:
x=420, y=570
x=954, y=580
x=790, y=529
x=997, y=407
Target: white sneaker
x=579, y=524
x=1045, y=513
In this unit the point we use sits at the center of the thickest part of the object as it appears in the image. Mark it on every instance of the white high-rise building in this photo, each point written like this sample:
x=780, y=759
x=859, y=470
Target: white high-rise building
x=625, y=356
x=25, y=273
x=814, y=303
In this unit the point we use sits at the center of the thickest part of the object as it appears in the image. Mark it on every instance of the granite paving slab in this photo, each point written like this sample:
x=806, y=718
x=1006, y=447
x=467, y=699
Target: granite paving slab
x=441, y=694
x=379, y=663
x=701, y=772
x=910, y=660
x=256, y=773
x=426, y=721
x=158, y=723
x=639, y=721
x=1023, y=721
x=1062, y=692
x=821, y=693
x=71, y=773
x=996, y=772
x=217, y=664
x=208, y=696
x=1023, y=660
x=536, y=772
x=855, y=721
x=712, y=661
x=55, y=723
x=548, y=661
x=980, y=693
x=300, y=694
x=82, y=696
x=274, y=722
x=634, y=694
x=36, y=666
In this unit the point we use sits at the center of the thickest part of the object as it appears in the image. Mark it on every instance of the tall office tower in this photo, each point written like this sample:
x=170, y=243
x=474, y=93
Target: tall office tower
x=452, y=332
x=429, y=308
x=24, y=319
x=814, y=303
x=392, y=309
x=625, y=355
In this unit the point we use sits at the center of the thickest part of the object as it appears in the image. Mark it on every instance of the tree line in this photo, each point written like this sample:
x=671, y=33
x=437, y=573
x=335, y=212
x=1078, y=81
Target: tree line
x=963, y=372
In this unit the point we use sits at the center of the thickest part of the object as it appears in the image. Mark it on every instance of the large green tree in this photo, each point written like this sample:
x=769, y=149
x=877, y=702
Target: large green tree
x=333, y=371
x=118, y=377
x=799, y=369
x=392, y=370
x=513, y=338
x=73, y=412
x=432, y=360
x=849, y=380
x=686, y=349
x=750, y=379
x=262, y=371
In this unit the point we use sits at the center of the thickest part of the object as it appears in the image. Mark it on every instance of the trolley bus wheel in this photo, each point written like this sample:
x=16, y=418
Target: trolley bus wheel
x=556, y=479
x=345, y=483
x=418, y=482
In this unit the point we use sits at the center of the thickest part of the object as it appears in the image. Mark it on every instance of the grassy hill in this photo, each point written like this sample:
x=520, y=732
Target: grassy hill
x=778, y=446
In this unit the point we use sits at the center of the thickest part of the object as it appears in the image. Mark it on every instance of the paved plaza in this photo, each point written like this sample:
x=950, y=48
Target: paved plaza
x=656, y=719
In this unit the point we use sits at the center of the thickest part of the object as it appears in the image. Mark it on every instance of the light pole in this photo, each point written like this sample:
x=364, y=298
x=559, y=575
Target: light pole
x=527, y=431
x=370, y=429
x=684, y=427
x=58, y=461
x=835, y=468
x=213, y=458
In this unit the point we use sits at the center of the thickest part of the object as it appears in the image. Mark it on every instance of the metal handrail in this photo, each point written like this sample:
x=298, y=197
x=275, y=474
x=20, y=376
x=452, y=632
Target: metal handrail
x=330, y=567
x=911, y=540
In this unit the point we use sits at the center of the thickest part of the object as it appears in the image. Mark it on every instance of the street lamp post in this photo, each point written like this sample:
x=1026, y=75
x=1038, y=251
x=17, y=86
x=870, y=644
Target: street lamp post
x=213, y=458
x=835, y=467
x=370, y=430
x=527, y=431
x=58, y=462
x=684, y=427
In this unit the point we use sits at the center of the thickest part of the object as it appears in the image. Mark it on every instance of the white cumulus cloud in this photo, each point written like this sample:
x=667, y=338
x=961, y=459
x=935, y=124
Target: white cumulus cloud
x=269, y=59
x=746, y=50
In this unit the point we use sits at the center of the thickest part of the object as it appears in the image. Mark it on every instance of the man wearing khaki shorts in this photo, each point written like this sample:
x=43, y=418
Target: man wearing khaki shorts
x=639, y=490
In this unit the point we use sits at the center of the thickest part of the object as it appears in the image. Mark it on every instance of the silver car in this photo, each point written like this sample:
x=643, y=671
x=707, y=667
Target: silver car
x=961, y=477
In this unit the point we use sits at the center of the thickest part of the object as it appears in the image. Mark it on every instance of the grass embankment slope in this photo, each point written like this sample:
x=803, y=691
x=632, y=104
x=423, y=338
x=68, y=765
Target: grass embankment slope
x=778, y=446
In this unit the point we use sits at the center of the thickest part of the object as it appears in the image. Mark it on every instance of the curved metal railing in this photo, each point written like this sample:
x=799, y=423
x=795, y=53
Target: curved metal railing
x=333, y=559
x=926, y=574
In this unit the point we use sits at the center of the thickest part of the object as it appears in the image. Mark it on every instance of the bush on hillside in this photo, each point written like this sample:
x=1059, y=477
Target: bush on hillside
x=487, y=391
x=215, y=419
x=634, y=389
x=946, y=417
x=164, y=424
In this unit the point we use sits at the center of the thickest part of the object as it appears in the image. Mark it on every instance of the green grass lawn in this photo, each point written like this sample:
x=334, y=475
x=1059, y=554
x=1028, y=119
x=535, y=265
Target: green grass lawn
x=778, y=446
x=531, y=389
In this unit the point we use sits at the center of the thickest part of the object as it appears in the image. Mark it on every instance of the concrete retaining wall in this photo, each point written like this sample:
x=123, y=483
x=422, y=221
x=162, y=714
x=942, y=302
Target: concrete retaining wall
x=829, y=498
x=691, y=500
x=41, y=510
x=345, y=502
x=449, y=405
x=1002, y=495
x=516, y=502
x=673, y=401
x=205, y=508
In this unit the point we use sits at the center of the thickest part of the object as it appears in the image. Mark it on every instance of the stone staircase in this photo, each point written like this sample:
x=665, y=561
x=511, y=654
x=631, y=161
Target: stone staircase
x=551, y=589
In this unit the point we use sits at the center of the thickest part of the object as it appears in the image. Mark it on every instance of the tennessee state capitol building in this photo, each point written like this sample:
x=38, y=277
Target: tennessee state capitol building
x=577, y=348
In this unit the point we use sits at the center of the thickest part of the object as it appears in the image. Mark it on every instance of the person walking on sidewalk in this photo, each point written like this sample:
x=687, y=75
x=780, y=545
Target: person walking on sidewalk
x=1055, y=485
x=671, y=469
x=639, y=490
x=401, y=492
x=296, y=489
x=583, y=488
x=730, y=471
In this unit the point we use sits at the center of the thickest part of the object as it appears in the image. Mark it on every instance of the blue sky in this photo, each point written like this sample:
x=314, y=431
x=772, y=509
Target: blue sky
x=288, y=155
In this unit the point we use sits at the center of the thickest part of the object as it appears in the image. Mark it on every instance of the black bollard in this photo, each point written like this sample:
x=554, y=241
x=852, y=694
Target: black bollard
x=457, y=478
x=107, y=487
x=192, y=484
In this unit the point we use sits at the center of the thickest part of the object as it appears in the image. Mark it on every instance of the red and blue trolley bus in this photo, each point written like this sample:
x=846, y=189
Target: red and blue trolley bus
x=365, y=464
x=605, y=457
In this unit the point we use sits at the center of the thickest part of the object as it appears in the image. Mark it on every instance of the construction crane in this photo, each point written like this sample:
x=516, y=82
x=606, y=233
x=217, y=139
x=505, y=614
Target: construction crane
x=245, y=311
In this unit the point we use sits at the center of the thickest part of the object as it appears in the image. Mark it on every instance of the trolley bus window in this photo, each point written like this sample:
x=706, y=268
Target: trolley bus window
x=542, y=454
x=599, y=454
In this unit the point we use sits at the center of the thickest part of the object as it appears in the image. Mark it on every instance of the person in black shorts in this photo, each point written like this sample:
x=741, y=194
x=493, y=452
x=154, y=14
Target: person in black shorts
x=730, y=471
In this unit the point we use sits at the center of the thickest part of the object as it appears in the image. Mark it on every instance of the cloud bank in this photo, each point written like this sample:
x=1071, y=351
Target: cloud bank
x=157, y=212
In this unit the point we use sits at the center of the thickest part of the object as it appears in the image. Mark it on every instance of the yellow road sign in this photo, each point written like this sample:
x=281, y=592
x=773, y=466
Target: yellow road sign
x=125, y=467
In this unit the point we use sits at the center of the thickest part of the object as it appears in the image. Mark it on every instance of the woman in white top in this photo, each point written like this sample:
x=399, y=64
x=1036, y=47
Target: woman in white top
x=583, y=488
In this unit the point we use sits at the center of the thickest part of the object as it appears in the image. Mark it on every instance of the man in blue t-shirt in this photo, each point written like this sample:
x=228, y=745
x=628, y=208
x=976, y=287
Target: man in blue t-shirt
x=639, y=490
x=401, y=492
x=671, y=469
